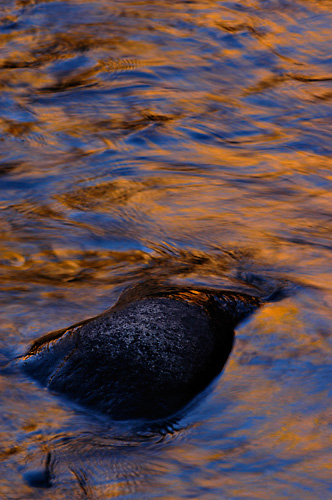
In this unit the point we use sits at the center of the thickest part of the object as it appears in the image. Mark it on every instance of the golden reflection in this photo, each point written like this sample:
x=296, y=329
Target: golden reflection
x=180, y=141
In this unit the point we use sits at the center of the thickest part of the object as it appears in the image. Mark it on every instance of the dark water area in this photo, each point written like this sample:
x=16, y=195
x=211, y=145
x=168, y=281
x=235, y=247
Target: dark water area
x=186, y=141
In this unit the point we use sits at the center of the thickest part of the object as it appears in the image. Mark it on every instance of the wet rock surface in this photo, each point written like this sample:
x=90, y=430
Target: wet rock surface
x=147, y=356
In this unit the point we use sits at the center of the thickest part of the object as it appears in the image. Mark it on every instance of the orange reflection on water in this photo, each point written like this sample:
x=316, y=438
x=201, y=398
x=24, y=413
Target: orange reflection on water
x=184, y=141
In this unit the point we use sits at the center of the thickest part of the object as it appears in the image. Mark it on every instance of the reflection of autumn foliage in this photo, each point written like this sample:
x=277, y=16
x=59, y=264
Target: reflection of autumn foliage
x=180, y=140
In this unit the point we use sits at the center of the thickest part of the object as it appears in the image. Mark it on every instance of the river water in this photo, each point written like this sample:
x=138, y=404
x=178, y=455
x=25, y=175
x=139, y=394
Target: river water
x=187, y=141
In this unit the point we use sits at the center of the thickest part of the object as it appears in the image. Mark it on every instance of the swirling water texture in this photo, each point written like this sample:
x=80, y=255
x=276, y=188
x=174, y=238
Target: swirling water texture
x=187, y=140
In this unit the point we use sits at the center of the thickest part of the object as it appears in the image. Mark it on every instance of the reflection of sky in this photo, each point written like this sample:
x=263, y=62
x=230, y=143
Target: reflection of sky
x=184, y=140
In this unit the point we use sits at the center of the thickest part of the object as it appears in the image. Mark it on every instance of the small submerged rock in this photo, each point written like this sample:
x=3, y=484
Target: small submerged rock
x=147, y=356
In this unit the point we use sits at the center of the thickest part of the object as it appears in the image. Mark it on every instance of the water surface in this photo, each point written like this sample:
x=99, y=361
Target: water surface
x=187, y=141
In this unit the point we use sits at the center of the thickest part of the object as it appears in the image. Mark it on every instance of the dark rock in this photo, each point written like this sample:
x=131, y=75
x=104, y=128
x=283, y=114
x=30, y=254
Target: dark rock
x=41, y=478
x=147, y=356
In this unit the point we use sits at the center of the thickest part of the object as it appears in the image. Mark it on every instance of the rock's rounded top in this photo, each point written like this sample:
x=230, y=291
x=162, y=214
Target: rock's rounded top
x=147, y=356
